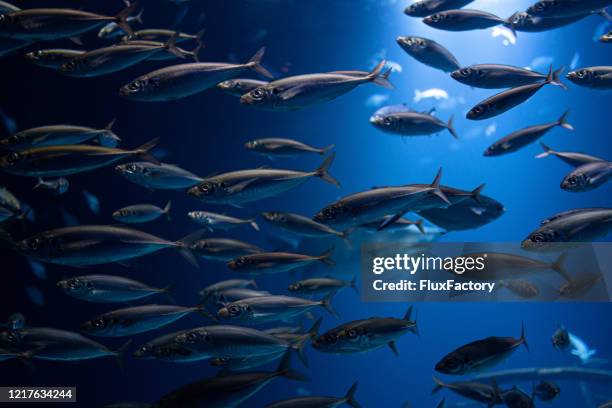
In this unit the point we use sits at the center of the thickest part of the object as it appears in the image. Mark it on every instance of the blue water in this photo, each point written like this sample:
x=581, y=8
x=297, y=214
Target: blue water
x=205, y=134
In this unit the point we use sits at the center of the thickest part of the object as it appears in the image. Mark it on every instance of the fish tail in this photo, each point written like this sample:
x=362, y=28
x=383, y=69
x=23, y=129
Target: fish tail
x=555, y=80
x=253, y=283
x=138, y=17
x=326, y=149
x=144, y=151
x=255, y=63
x=120, y=354
x=419, y=225
x=350, y=396
x=476, y=193
x=195, y=54
x=199, y=35
x=201, y=309
x=439, y=385
x=253, y=224
x=418, y=95
x=39, y=183
x=168, y=291
x=353, y=284
x=299, y=345
x=284, y=369
x=326, y=303
x=376, y=77
x=122, y=16
x=559, y=267
x=547, y=151
x=563, y=122
x=442, y=403
x=522, y=339
x=325, y=257
x=383, y=79
x=450, y=127
x=170, y=45
x=435, y=186
x=167, y=210
x=323, y=170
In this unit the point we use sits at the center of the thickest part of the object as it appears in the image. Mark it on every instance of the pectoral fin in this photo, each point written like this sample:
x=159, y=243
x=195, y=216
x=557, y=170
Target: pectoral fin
x=393, y=348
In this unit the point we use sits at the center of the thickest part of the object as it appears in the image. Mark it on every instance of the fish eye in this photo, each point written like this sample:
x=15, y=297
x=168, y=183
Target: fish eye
x=480, y=109
x=466, y=72
x=234, y=310
x=329, y=212
x=573, y=180
x=387, y=120
x=538, y=238
x=257, y=93
x=136, y=85
x=131, y=168
x=12, y=157
x=192, y=337
x=74, y=284
x=34, y=244
x=99, y=323
x=582, y=73
x=352, y=333
x=435, y=17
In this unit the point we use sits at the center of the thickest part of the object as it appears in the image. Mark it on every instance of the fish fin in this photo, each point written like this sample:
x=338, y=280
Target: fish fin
x=325, y=257
x=138, y=17
x=183, y=247
x=353, y=284
x=201, y=309
x=326, y=149
x=39, y=183
x=439, y=385
x=522, y=339
x=299, y=345
x=255, y=63
x=442, y=403
x=476, y=193
x=604, y=13
x=326, y=303
x=77, y=40
x=555, y=78
x=559, y=267
x=408, y=314
x=435, y=185
x=563, y=123
x=323, y=170
x=110, y=124
x=547, y=151
x=167, y=290
x=450, y=127
x=383, y=80
x=199, y=35
x=253, y=224
x=122, y=16
x=236, y=188
x=390, y=220
x=393, y=347
x=120, y=354
x=170, y=45
x=284, y=369
x=350, y=396
x=144, y=151
x=167, y=210
x=419, y=225
x=375, y=73
x=195, y=54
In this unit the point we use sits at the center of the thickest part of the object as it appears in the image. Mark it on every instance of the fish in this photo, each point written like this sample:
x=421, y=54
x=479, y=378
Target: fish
x=165, y=348
x=64, y=160
x=227, y=391
x=278, y=147
x=244, y=186
x=516, y=398
x=480, y=354
x=606, y=38
x=508, y=99
x=112, y=29
x=182, y=80
x=429, y=53
x=380, y=202
x=240, y=86
x=138, y=319
x=580, y=349
x=592, y=77
x=520, y=287
x=574, y=159
x=546, y=391
x=162, y=35
x=298, y=92
x=165, y=53
x=578, y=225
x=462, y=20
x=45, y=24
x=318, y=286
x=58, y=345
x=411, y=123
x=234, y=294
x=364, y=335
x=222, y=249
x=424, y=8
x=587, y=177
x=55, y=135
x=475, y=391
x=319, y=402
x=580, y=285
x=216, y=288
x=140, y=213
x=525, y=22
x=9, y=201
x=109, y=288
x=566, y=8
x=213, y=221
x=160, y=176
x=85, y=245
x=114, y=58
x=303, y=226
x=53, y=58
x=229, y=364
x=560, y=338
x=276, y=262
x=521, y=138
x=58, y=186
x=400, y=225
x=266, y=309
x=465, y=214
x=496, y=76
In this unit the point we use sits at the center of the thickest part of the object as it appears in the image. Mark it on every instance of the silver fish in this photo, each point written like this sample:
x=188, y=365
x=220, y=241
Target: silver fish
x=165, y=348
x=55, y=135
x=587, y=177
x=58, y=186
x=516, y=398
x=53, y=58
x=297, y=92
x=526, y=22
x=165, y=53
x=139, y=213
x=63, y=160
x=319, y=402
x=462, y=20
x=243, y=363
x=475, y=391
x=138, y=319
x=429, y=53
x=240, y=86
x=317, y=286
x=222, y=249
x=112, y=30
x=572, y=158
x=303, y=226
x=521, y=138
x=216, y=288
x=424, y=8
x=411, y=123
x=496, y=76
x=500, y=265
x=276, y=262
x=158, y=176
x=109, y=288
x=6, y=7
x=162, y=35
x=234, y=294
x=557, y=9
x=592, y=77
x=245, y=186
x=179, y=81
x=213, y=221
x=273, y=147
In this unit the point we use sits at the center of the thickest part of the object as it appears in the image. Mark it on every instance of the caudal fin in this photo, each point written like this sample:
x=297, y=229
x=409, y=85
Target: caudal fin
x=325, y=257
x=323, y=170
x=383, y=79
x=326, y=149
x=122, y=16
x=170, y=45
x=559, y=267
x=435, y=186
x=284, y=369
x=39, y=183
x=121, y=352
x=299, y=345
x=378, y=78
x=408, y=317
x=167, y=210
x=555, y=80
x=326, y=303
x=522, y=339
x=350, y=396
x=144, y=151
x=563, y=122
x=419, y=225
x=255, y=63
x=547, y=151
x=183, y=246
x=450, y=127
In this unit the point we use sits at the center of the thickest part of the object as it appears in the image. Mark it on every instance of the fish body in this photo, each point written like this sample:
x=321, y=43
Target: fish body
x=245, y=186
x=55, y=135
x=501, y=265
x=222, y=249
x=525, y=22
x=139, y=213
x=560, y=338
x=572, y=158
x=429, y=53
x=566, y=8
x=496, y=76
x=53, y=58
x=267, y=309
x=234, y=294
x=240, y=86
x=424, y=8
x=182, y=80
x=592, y=77
x=158, y=176
x=319, y=286
x=465, y=214
x=244, y=363
x=462, y=20
x=107, y=288
x=410, y=123
x=276, y=262
x=213, y=221
x=6, y=7
x=587, y=177
x=218, y=287
x=162, y=35
x=280, y=147
x=319, y=402
x=136, y=319
x=546, y=391
x=297, y=92
x=475, y=391
x=521, y=138
x=364, y=335
x=300, y=225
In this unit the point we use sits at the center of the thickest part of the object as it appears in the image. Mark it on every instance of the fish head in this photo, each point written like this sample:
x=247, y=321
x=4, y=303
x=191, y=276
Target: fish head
x=327, y=342
x=467, y=73
x=131, y=170
x=42, y=246
x=436, y=19
x=206, y=189
x=540, y=238
x=335, y=213
x=12, y=160
x=193, y=338
x=100, y=324
x=234, y=311
x=494, y=150
x=7, y=20
x=74, y=65
x=581, y=76
x=259, y=97
x=411, y=44
x=242, y=263
x=38, y=55
x=11, y=337
x=294, y=287
x=479, y=111
x=75, y=286
x=199, y=217
x=451, y=364
x=138, y=87
x=418, y=9
x=275, y=217
x=232, y=87
x=254, y=145
x=575, y=181
x=385, y=122
x=521, y=19
x=12, y=140
x=543, y=7
x=220, y=361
